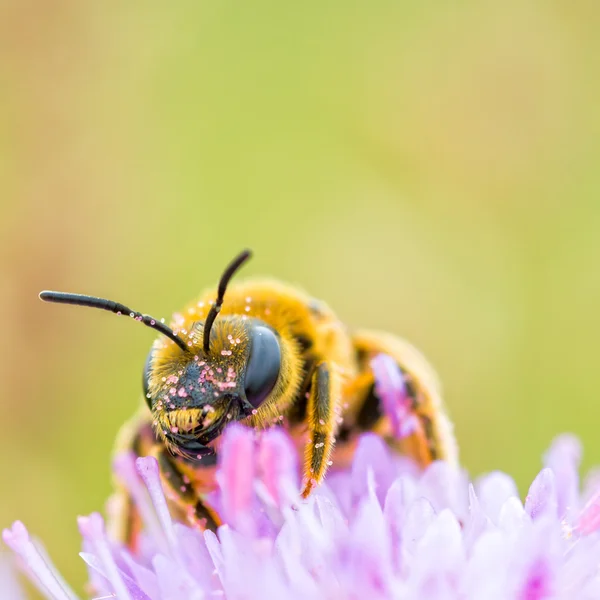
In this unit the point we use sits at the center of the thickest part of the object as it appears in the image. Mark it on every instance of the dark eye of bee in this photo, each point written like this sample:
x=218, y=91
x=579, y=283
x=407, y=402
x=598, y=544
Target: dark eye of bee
x=146, y=379
x=263, y=367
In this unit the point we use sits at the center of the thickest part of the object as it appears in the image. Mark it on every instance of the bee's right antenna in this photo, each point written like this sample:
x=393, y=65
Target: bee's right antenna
x=114, y=307
x=233, y=266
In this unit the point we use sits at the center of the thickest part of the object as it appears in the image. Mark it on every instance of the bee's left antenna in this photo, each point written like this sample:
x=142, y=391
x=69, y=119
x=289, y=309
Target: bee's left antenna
x=114, y=307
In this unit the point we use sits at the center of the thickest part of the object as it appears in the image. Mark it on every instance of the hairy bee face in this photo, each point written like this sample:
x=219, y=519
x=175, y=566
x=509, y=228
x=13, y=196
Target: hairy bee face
x=193, y=395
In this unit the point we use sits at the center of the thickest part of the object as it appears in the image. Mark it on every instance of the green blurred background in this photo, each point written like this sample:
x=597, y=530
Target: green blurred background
x=427, y=168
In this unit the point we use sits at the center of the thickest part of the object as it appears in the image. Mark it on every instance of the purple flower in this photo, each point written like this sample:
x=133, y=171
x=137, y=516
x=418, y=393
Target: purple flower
x=380, y=529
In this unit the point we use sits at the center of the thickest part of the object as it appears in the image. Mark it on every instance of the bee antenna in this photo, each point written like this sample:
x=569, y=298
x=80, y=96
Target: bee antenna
x=233, y=266
x=114, y=307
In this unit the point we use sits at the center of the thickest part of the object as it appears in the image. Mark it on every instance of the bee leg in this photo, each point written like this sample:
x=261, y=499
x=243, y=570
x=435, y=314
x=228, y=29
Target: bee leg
x=417, y=425
x=182, y=495
x=124, y=522
x=322, y=414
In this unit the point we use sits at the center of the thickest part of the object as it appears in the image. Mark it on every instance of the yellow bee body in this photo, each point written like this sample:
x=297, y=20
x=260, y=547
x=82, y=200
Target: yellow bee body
x=267, y=354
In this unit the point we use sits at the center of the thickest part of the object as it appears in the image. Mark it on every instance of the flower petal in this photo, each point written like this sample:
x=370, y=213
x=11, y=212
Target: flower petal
x=391, y=389
x=92, y=529
x=564, y=458
x=147, y=467
x=127, y=473
x=439, y=562
x=278, y=465
x=43, y=573
x=236, y=477
x=493, y=490
x=542, y=497
x=136, y=593
x=372, y=456
x=9, y=584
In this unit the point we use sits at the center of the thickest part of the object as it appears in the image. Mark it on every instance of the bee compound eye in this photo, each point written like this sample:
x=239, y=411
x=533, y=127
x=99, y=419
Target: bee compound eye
x=146, y=379
x=264, y=364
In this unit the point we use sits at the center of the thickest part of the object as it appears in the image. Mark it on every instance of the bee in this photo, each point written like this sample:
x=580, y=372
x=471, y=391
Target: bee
x=267, y=354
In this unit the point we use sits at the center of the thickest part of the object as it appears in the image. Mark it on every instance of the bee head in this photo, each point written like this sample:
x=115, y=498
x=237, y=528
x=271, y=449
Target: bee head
x=194, y=395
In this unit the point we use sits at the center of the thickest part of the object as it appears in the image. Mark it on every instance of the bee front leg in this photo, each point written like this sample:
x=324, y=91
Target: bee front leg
x=322, y=415
x=123, y=519
x=183, y=496
x=124, y=522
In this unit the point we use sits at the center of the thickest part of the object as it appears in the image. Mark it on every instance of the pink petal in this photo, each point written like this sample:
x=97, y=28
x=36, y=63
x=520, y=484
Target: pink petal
x=124, y=467
x=391, y=389
x=564, y=458
x=9, y=583
x=278, y=465
x=477, y=523
x=148, y=469
x=368, y=553
x=92, y=529
x=372, y=456
x=236, y=477
x=43, y=573
x=493, y=490
x=133, y=589
x=538, y=584
x=589, y=519
x=542, y=498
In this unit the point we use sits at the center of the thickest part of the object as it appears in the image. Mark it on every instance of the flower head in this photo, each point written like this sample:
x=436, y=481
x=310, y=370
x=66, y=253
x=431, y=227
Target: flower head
x=381, y=529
